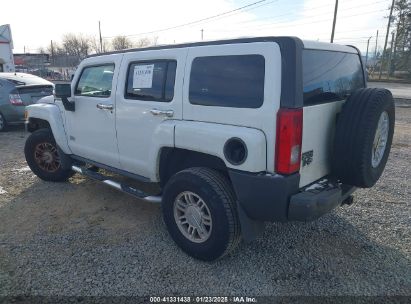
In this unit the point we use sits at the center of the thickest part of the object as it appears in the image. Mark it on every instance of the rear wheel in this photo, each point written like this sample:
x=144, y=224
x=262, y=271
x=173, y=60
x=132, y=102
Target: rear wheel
x=199, y=210
x=3, y=123
x=43, y=157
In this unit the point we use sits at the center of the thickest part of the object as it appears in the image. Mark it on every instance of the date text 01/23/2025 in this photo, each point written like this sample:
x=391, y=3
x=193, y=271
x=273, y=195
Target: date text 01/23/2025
x=239, y=299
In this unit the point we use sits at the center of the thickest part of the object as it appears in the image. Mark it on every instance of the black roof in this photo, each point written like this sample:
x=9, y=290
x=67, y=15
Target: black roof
x=203, y=43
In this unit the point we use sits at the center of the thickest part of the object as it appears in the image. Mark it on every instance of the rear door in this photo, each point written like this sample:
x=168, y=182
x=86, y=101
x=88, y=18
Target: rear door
x=148, y=100
x=329, y=77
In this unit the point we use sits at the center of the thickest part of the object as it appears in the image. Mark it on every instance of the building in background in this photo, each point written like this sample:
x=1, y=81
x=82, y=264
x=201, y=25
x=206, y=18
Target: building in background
x=6, y=49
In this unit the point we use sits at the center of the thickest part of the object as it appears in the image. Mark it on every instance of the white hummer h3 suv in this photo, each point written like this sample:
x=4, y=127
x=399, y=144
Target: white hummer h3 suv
x=234, y=133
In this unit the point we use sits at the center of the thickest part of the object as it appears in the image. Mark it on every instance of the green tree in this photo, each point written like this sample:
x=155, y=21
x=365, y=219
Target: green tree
x=401, y=51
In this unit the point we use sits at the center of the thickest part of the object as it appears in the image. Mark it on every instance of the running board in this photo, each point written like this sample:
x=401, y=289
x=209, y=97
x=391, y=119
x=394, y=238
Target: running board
x=124, y=188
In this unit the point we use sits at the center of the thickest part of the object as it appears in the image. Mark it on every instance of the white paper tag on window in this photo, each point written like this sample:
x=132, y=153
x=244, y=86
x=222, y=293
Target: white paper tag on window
x=143, y=76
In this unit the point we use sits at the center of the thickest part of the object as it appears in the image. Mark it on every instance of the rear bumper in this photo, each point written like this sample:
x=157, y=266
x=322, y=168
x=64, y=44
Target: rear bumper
x=311, y=204
x=277, y=198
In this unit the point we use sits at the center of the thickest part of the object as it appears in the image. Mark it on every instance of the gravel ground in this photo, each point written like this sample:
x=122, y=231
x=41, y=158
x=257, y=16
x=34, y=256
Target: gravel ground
x=83, y=238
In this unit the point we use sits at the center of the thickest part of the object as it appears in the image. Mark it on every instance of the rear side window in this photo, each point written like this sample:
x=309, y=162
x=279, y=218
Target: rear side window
x=151, y=80
x=330, y=76
x=95, y=81
x=228, y=81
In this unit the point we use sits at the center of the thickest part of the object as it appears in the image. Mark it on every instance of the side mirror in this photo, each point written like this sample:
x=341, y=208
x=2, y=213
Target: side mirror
x=63, y=91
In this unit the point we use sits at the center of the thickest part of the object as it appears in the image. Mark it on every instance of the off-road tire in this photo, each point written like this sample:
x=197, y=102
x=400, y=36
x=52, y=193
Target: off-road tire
x=38, y=137
x=216, y=191
x=353, y=142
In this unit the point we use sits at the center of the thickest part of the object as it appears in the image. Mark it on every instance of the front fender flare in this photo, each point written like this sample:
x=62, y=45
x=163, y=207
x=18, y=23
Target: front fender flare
x=51, y=114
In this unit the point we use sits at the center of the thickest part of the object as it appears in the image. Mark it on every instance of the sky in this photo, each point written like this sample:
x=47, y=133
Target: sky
x=41, y=21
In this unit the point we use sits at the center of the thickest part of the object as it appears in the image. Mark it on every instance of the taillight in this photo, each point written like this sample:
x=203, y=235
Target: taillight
x=289, y=140
x=15, y=100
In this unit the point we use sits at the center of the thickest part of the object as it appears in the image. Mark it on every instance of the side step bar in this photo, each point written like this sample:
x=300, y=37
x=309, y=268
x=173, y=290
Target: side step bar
x=124, y=188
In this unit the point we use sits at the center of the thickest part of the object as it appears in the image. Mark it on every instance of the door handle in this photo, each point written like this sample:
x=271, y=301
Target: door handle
x=157, y=112
x=104, y=106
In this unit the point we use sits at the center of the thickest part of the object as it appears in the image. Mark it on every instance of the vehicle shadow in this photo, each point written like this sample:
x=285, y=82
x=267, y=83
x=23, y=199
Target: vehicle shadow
x=84, y=238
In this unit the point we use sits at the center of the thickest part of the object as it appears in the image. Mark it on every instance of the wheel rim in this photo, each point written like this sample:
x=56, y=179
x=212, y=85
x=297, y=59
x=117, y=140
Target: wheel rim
x=380, y=139
x=46, y=157
x=193, y=217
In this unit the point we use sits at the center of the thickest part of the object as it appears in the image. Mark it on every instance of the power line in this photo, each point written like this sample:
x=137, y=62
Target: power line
x=322, y=33
x=194, y=22
x=282, y=25
x=275, y=17
x=242, y=11
x=249, y=7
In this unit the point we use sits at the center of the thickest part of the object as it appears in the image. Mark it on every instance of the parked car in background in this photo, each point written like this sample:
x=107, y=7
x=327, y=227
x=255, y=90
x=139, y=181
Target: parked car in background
x=18, y=90
x=46, y=73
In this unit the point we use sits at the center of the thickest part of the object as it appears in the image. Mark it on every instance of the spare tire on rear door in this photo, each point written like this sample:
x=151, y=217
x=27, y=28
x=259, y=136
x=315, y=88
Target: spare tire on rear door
x=363, y=137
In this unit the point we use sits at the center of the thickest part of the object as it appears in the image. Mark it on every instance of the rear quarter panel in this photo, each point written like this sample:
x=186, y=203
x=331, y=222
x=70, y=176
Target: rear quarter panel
x=210, y=138
x=11, y=113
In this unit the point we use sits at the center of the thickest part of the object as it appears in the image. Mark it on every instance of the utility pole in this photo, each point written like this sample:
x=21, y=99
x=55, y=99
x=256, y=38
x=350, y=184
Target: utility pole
x=366, y=55
x=376, y=42
x=334, y=21
x=386, y=38
x=390, y=57
x=202, y=34
x=52, y=51
x=101, y=40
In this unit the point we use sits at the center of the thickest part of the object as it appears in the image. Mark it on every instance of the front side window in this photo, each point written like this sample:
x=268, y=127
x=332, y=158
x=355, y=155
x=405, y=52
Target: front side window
x=152, y=81
x=228, y=81
x=96, y=81
x=330, y=76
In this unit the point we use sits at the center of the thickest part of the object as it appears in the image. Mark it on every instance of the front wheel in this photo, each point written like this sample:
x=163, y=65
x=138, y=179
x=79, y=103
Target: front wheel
x=43, y=157
x=199, y=210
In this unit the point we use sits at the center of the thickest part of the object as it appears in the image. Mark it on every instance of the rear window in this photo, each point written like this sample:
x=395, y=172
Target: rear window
x=37, y=90
x=330, y=76
x=228, y=81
